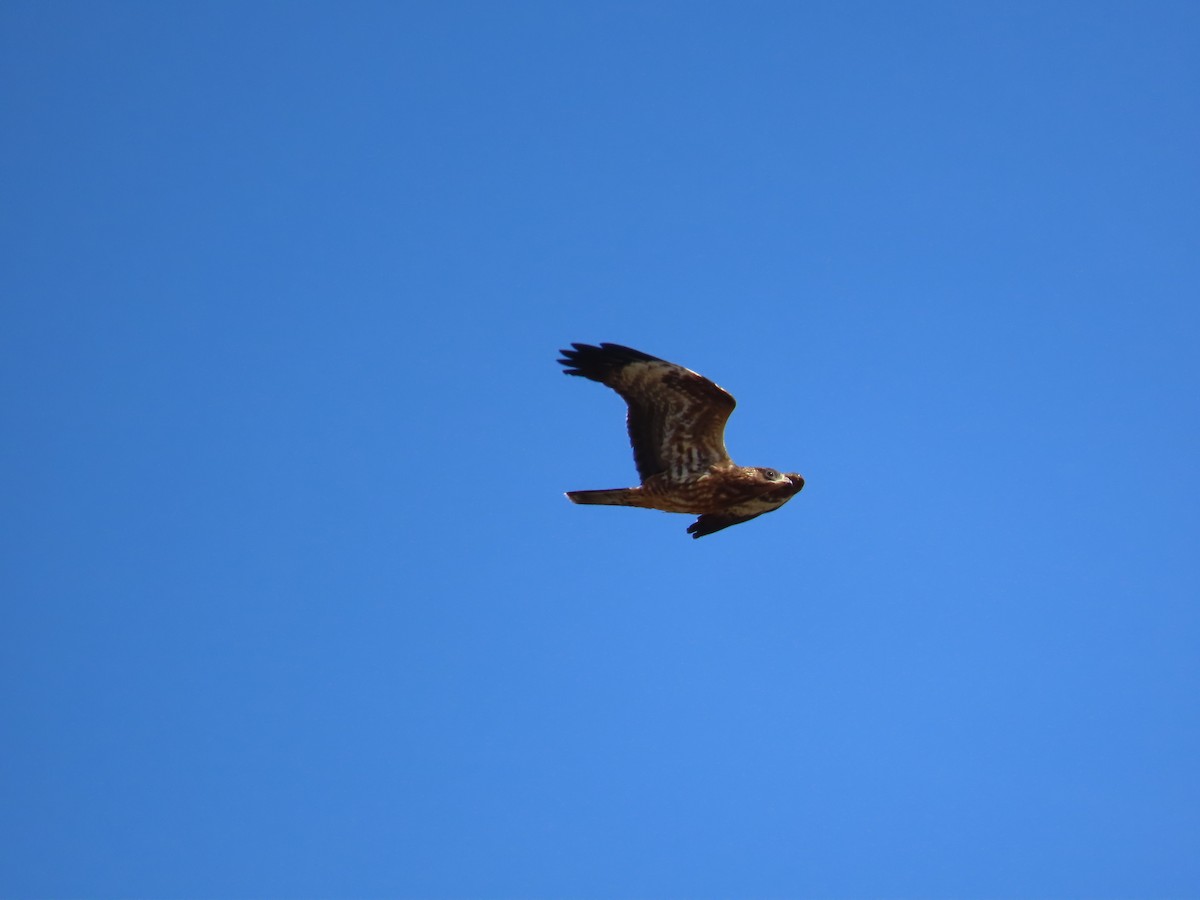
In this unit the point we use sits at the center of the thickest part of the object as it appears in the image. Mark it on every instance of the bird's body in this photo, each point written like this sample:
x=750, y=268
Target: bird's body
x=711, y=491
x=676, y=426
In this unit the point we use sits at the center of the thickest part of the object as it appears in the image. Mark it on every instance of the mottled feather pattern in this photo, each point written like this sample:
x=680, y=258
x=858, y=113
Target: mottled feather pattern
x=744, y=512
x=676, y=417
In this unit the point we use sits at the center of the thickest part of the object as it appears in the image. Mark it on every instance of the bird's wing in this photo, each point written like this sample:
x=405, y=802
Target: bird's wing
x=711, y=522
x=676, y=417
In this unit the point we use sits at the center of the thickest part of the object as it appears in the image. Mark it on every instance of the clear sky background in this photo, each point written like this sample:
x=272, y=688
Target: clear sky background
x=293, y=604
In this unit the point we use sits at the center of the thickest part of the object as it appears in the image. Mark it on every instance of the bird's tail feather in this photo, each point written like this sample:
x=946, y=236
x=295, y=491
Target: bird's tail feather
x=614, y=497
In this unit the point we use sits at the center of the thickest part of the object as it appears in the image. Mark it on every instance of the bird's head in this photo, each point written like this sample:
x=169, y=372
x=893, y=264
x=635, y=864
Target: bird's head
x=787, y=483
x=772, y=476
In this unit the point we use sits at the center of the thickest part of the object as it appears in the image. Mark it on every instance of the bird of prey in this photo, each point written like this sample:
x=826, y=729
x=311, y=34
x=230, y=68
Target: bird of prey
x=677, y=428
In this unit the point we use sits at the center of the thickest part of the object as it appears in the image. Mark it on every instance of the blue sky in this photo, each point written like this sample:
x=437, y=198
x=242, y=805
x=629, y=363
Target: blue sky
x=294, y=605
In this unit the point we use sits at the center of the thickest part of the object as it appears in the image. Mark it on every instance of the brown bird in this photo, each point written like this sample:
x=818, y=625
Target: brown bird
x=677, y=428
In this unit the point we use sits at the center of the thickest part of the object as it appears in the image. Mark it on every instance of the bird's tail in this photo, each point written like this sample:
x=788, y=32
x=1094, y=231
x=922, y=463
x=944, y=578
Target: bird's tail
x=614, y=497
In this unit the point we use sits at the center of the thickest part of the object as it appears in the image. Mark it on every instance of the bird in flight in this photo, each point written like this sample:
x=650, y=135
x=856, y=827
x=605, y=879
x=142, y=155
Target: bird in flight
x=677, y=428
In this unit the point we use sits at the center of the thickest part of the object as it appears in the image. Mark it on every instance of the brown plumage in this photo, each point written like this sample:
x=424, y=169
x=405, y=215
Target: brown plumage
x=677, y=429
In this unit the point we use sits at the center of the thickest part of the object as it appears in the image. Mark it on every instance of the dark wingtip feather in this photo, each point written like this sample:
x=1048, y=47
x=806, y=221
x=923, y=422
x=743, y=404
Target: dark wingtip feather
x=711, y=523
x=598, y=362
x=568, y=360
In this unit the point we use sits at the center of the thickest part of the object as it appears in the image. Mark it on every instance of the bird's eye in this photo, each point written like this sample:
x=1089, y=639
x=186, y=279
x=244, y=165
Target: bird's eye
x=771, y=474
